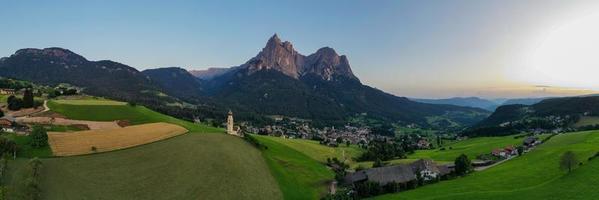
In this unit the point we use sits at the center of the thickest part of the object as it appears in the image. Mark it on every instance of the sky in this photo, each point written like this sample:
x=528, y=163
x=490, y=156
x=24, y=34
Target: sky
x=425, y=49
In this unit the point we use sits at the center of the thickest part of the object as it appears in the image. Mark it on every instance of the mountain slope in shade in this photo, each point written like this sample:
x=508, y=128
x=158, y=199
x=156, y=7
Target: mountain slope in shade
x=175, y=81
x=210, y=73
x=52, y=66
x=549, y=114
x=474, y=102
x=525, y=101
x=321, y=86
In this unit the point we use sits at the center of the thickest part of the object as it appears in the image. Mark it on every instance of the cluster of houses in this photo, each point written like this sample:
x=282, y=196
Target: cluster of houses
x=505, y=153
x=4, y=91
x=297, y=128
x=402, y=174
x=509, y=151
x=7, y=124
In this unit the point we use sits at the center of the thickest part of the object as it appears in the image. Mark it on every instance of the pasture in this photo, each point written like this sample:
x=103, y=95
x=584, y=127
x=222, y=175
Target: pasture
x=133, y=114
x=471, y=147
x=318, y=151
x=587, y=121
x=93, y=141
x=189, y=166
x=535, y=175
x=298, y=175
x=89, y=102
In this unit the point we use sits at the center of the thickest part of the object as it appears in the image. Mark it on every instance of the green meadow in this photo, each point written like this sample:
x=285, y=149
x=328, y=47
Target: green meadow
x=210, y=166
x=319, y=152
x=587, y=121
x=103, y=110
x=535, y=175
x=471, y=147
x=299, y=176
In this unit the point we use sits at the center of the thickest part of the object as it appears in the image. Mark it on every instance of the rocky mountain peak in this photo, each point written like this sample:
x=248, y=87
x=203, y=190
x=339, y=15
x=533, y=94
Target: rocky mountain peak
x=277, y=55
x=281, y=56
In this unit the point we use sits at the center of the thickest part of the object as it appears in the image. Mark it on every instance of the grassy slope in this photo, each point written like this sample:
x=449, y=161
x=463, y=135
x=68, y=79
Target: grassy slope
x=471, y=147
x=90, y=102
x=318, y=151
x=191, y=166
x=299, y=176
x=586, y=121
x=135, y=115
x=25, y=150
x=533, y=176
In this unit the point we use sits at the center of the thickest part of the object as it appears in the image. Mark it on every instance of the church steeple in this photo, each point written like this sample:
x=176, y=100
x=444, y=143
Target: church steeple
x=230, y=124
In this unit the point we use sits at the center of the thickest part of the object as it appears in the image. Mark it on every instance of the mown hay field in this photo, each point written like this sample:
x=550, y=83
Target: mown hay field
x=189, y=166
x=92, y=141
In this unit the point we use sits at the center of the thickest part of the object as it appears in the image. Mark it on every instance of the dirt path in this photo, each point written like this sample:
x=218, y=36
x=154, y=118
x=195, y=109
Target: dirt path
x=46, y=109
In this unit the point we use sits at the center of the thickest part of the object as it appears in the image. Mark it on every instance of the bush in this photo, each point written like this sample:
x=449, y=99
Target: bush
x=39, y=137
x=14, y=103
x=7, y=147
x=368, y=189
x=28, y=98
x=463, y=165
x=253, y=141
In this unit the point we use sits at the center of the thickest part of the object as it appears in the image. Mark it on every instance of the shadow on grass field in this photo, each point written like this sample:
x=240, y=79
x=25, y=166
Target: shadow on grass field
x=190, y=166
x=299, y=176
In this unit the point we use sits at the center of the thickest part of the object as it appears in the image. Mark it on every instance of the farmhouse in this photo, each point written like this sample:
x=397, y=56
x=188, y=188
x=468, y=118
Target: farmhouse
x=5, y=91
x=401, y=174
x=7, y=122
x=506, y=152
x=428, y=169
x=531, y=141
x=423, y=144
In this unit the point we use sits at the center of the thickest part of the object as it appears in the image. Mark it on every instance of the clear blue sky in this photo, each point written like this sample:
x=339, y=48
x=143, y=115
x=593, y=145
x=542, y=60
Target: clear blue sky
x=409, y=48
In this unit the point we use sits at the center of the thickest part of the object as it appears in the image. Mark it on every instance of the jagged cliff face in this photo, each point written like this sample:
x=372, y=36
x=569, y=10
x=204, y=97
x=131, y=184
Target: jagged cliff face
x=281, y=56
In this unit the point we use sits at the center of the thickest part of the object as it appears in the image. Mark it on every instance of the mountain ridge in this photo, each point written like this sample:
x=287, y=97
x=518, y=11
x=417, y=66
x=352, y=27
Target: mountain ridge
x=278, y=81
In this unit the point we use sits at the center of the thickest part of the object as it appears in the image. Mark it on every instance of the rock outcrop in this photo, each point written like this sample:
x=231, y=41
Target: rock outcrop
x=281, y=56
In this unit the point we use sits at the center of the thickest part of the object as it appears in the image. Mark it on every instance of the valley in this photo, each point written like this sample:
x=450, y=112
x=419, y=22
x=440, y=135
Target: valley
x=282, y=125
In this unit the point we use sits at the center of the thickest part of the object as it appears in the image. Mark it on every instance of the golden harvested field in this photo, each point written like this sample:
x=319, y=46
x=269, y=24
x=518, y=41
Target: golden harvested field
x=92, y=141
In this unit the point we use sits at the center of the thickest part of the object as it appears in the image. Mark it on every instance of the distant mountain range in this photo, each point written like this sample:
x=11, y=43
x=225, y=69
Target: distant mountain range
x=277, y=81
x=474, y=102
x=487, y=104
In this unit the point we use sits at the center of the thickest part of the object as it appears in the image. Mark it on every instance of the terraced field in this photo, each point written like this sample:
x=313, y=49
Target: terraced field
x=535, y=175
x=93, y=141
x=94, y=111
